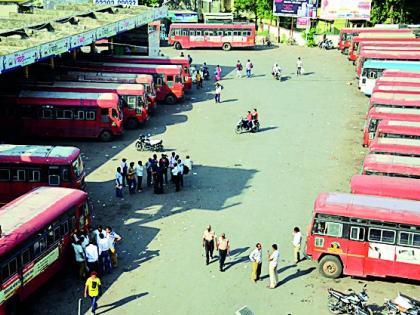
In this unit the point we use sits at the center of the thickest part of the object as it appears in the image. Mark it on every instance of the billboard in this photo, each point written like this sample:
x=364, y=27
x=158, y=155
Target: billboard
x=346, y=9
x=295, y=8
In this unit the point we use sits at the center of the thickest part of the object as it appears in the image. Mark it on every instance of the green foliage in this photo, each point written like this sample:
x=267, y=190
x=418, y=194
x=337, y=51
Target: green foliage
x=263, y=33
x=150, y=3
x=309, y=37
x=259, y=8
x=283, y=39
x=394, y=12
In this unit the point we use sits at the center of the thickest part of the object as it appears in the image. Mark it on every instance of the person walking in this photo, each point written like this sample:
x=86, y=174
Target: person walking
x=124, y=169
x=149, y=167
x=223, y=247
x=180, y=172
x=299, y=66
x=93, y=289
x=239, y=69
x=190, y=60
x=113, y=238
x=104, y=255
x=139, y=169
x=297, y=241
x=256, y=260
x=159, y=179
x=209, y=237
x=79, y=256
x=131, y=179
x=198, y=79
x=119, y=178
x=272, y=266
x=165, y=164
x=218, y=73
x=217, y=93
x=248, y=68
x=175, y=177
x=92, y=257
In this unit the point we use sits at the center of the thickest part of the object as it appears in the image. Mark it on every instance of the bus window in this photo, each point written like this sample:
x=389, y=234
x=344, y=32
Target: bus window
x=26, y=256
x=373, y=125
x=79, y=115
x=357, y=233
x=77, y=166
x=104, y=115
x=228, y=33
x=159, y=80
x=66, y=174
x=248, y=33
x=9, y=269
x=170, y=80
x=192, y=33
x=177, y=32
x=381, y=236
x=178, y=79
x=244, y=33
x=4, y=175
x=54, y=176
x=46, y=114
x=235, y=33
x=131, y=102
x=198, y=33
x=184, y=33
x=114, y=113
x=90, y=115
x=409, y=239
x=18, y=175
x=219, y=33
x=328, y=228
x=372, y=74
x=34, y=176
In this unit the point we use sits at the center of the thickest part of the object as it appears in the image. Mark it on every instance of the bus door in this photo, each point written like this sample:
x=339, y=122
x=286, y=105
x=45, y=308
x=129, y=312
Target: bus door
x=185, y=33
x=357, y=250
x=161, y=88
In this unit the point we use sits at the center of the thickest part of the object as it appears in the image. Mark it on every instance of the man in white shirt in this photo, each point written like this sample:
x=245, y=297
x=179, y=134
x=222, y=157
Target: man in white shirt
x=92, y=257
x=105, y=259
x=113, y=238
x=172, y=161
x=119, y=183
x=297, y=240
x=139, y=169
x=95, y=233
x=256, y=260
x=218, y=92
x=273, y=259
x=188, y=163
x=299, y=66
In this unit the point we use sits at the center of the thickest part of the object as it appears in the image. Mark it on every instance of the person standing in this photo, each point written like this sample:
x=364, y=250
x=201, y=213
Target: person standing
x=248, y=68
x=297, y=240
x=175, y=176
x=187, y=164
x=165, y=167
x=217, y=93
x=223, y=247
x=180, y=173
x=95, y=233
x=104, y=256
x=149, y=167
x=172, y=161
x=272, y=266
x=218, y=73
x=131, y=179
x=239, y=69
x=299, y=66
x=79, y=255
x=198, y=80
x=159, y=179
x=119, y=183
x=113, y=238
x=93, y=288
x=124, y=169
x=139, y=169
x=92, y=256
x=209, y=238
x=256, y=259
x=190, y=60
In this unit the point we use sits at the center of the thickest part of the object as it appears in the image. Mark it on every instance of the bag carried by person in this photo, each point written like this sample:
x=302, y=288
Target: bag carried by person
x=240, y=67
x=252, y=66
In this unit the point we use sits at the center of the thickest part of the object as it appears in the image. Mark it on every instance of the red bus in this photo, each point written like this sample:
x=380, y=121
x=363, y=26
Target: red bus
x=361, y=235
x=24, y=167
x=133, y=103
x=124, y=78
x=407, y=88
x=399, y=73
x=398, y=129
x=391, y=165
x=396, y=100
x=63, y=114
x=388, y=55
x=395, y=146
x=180, y=61
x=167, y=78
x=385, y=186
x=401, y=80
x=377, y=114
x=35, y=242
x=225, y=36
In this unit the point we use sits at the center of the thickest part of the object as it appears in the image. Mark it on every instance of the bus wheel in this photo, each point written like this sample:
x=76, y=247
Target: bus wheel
x=330, y=267
x=132, y=123
x=170, y=99
x=346, y=51
x=178, y=46
x=105, y=136
x=227, y=46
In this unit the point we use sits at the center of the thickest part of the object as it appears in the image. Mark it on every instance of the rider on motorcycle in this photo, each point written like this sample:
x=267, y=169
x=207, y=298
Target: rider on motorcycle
x=254, y=114
x=276, y=71
x=249, y=120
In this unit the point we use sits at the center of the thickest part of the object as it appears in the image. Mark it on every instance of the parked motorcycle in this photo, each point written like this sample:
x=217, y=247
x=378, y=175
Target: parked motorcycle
x=144, y=143
x=348, y=303
x=326, y=44
x=402, y=305
x=242, y=126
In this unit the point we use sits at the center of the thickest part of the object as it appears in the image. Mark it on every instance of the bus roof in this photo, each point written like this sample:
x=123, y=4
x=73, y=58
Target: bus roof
x=368, y=207
x=23, y=217
x=391, y=48
x=386, y=186
x=210, y=26
x=399, y=73
x=393, y=65
x=103, y=100
x=394, y=99
x=395, y=146
x=147, y=60
x=408, y=161
x=400, y=127
x=359, y=39
x=389, y=43
x=415, y=55
x=94, y=87
x=132, y=67
x=400, y=88
x=134, y=77
x=396, y=80
x=402, y=33
x=392, y=110
x=37, y=154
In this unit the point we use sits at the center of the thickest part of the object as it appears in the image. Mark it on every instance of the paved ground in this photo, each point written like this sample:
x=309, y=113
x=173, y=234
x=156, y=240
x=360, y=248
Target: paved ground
x=253, y=187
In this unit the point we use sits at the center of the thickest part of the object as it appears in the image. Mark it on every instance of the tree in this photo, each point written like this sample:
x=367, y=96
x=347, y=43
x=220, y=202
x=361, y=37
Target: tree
x=260, y=8
x=394, y=12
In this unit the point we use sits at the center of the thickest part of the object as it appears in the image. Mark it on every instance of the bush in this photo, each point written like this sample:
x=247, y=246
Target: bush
x=283, y=39
x=309, y=37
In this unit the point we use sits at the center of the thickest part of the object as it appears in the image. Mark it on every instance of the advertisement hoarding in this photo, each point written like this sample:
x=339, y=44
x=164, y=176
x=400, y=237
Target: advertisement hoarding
x=345, y=9
x=303, y=22
x=295, y=8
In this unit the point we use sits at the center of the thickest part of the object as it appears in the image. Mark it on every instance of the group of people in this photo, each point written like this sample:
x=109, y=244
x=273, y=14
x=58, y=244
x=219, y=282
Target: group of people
x=156, y=172
x=222, y=244
x=248, y=69
x=252, y=118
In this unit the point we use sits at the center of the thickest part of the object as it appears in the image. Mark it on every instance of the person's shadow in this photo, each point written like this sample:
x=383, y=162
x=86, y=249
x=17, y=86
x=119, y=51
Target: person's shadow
x=121, y=302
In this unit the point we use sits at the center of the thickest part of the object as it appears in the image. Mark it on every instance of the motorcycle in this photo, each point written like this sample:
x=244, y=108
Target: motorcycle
x=402, y=305
x=348, y=303
x=144, y=143
x=242, y=126
x=326, y=44
x=277, y=75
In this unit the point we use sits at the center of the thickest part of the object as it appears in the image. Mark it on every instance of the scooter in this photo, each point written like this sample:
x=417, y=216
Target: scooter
x=348, y=303
x=402, y=305
x=144, y=143
x=326, y=44
x=242, y=126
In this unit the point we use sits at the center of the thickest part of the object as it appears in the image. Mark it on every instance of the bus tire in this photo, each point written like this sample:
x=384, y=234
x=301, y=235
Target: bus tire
x=132, y=123
x=226, y=46
x=177, y=46
x=105, y=136
x=346, y=51
x=170, y=99
x=330, y=267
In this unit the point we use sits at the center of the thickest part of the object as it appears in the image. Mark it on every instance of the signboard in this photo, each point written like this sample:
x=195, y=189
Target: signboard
x=55, y=48
x=116, y=2
x=346, y=9
x=183, y=17
x=303, y=22
x=83, y=39
x=106, y=31
x=154, y=38
x=126, y=24
x=21, y=58
x=295, y=8
x=41, y=265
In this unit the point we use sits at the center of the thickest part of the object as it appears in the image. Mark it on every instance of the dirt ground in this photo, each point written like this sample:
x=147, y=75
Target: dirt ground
x=253, y=187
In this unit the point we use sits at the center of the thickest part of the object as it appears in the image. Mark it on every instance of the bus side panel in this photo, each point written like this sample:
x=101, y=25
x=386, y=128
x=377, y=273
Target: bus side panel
x=407, y=263
x=380, y=259
x=356, y=253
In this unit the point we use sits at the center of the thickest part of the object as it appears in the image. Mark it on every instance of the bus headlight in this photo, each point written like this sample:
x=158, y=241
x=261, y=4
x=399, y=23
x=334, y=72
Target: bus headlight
x=114, y=124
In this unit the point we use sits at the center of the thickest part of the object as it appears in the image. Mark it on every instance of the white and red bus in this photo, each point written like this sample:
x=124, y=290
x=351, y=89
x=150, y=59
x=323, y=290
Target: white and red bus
x=223, y=36
x=133, y=102
x=24, y=167
x=63, y=114
x=35, y=240
x=361, y=235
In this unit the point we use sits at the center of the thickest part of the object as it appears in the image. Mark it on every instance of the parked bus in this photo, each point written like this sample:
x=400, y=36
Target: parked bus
x=167, y=78
x=133, y=102
x=180, y=61
x=395, y=100
x=361, y=235
x=398, y=129
x=372, y=69
x=398, y=81
x=377, y=114
x=395, y=146
x=396, y=88
x=226, y=36
x=401, y=73
x=63, y=114
x=123, y=78
x=24, y=167
x=391, y=165
x=385, y=186
x=35, y=243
